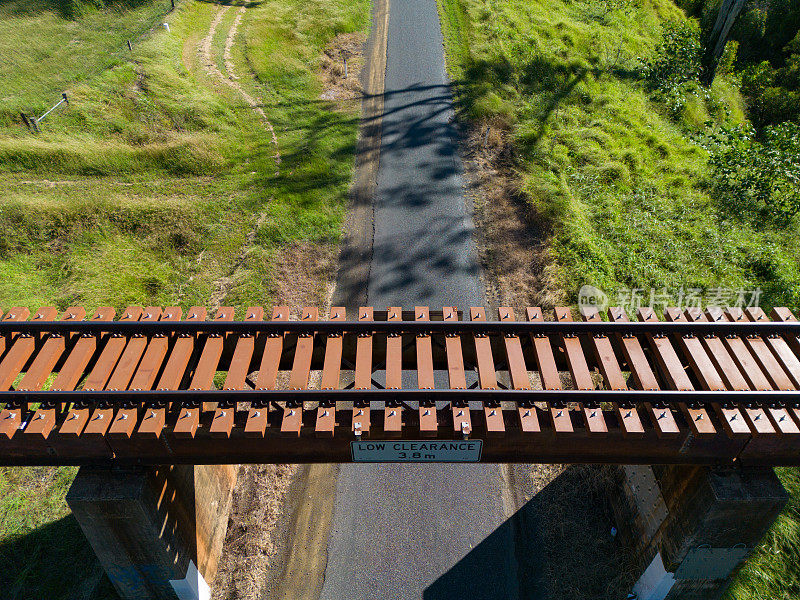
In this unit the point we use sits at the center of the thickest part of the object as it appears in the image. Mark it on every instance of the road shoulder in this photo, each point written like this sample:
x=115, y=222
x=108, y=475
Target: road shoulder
x=356, y=253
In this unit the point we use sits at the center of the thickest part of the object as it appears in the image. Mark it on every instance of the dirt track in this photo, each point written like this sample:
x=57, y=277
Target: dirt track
x=209, y=64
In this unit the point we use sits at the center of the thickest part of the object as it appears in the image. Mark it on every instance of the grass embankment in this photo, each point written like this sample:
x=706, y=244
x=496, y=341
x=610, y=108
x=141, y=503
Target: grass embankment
x=617, y=179
x=147, y=186
x=44, y=53
x=773, y=572
x=158, y=185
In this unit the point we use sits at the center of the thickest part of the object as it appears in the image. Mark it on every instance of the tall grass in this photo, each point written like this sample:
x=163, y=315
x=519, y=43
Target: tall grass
x=622, y=182
x=772, y=572
x=145, y=188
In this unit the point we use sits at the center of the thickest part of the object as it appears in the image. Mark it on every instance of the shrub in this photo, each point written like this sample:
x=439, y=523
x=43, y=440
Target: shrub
x=676, y=59
x=774, y=94
x=758, y=174
x=674, y=68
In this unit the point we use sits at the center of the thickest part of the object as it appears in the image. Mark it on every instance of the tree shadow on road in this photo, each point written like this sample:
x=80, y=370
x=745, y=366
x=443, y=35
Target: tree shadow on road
x=563, y=545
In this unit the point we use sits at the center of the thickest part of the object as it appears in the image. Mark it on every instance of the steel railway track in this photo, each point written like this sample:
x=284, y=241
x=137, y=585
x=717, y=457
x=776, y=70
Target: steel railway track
x=713, y=387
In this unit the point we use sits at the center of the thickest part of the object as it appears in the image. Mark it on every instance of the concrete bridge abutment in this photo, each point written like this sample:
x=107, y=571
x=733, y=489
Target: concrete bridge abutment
x=690, y=528
x=157, y=532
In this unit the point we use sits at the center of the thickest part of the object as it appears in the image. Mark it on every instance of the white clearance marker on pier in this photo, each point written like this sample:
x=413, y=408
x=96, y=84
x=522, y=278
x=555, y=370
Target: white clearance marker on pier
x=417, y=451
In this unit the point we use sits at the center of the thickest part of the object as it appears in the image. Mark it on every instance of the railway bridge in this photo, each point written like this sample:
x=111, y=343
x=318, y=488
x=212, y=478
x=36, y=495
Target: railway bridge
x=148, y=402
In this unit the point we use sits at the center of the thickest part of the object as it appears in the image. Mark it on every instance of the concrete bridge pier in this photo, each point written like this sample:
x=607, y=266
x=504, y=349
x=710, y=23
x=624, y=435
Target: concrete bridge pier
x=158, y=532
x=692, y=527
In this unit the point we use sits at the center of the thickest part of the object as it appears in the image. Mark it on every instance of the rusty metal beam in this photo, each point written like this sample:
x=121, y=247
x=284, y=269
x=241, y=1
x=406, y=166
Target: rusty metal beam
x=674, y=391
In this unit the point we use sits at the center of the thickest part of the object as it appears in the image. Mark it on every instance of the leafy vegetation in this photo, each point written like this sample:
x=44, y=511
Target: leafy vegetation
x=620, y=177
x=774, y=93
x=758, y=177
x=157, y=185
x=644, y=178
x=674, y=67
x=676, y=59
x=72, y=9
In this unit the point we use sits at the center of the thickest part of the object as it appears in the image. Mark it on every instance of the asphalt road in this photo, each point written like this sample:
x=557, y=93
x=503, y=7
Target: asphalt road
x=433, y=532
x=403, y=531
x=423, y=252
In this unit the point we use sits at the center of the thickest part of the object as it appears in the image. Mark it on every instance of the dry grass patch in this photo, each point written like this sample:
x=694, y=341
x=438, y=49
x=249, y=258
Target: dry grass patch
x=335, y=86
x=303, y=275
x=564, y=546
x=257, y=504
x=512, y=238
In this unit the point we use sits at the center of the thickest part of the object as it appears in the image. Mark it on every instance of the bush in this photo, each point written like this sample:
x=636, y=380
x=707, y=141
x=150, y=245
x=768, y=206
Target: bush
x=677, y=57
x=674, y=69
x=755, y=174
x=774, y=94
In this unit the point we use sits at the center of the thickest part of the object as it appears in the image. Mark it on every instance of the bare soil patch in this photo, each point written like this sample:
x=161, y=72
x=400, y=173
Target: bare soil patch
x=512, y=239
x=257, y=506
x=336, y=85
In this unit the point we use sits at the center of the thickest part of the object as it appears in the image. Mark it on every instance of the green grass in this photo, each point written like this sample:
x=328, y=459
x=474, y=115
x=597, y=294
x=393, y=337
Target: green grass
x=623, y=184
x=772, y=572
x=65, y=52
x=147, y=188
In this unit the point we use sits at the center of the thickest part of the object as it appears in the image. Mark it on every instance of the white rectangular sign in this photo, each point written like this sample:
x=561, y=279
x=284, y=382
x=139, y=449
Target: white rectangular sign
x=417, y=451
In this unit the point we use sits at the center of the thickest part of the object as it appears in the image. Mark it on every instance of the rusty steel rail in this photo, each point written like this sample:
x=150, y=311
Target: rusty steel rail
x=714, y=387
x=663, y=328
